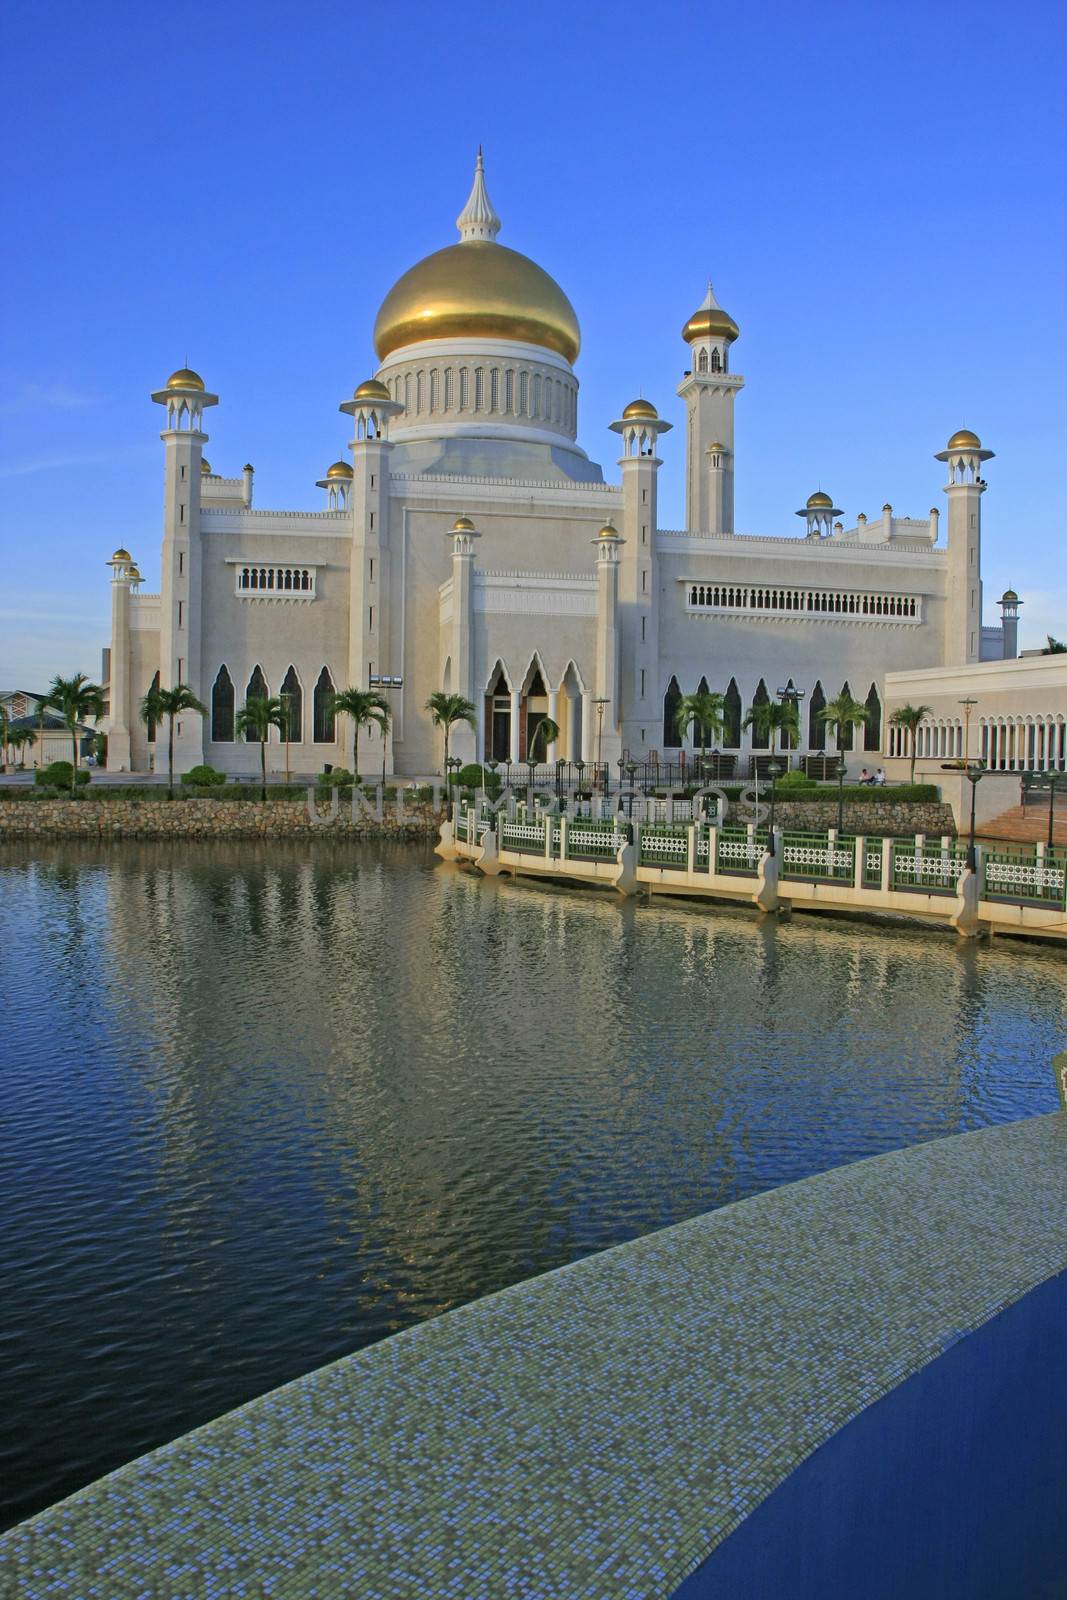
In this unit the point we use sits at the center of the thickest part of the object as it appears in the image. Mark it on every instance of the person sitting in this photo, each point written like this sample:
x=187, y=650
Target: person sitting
x=879, y=779
x=866, y=777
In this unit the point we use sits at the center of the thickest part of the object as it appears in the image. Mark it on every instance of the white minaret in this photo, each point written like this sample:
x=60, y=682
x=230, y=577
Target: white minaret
x=185, y=399
x=1009, y=604
x=819, y=512
x=708, y=391
x=606, y=742
x=120, y=708
x=462, y=534
x=640, y=704
x=370, y=643
x=963, y=596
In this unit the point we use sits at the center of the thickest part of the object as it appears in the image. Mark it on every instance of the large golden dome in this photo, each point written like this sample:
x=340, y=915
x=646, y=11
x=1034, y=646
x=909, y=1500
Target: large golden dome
x=477, y=289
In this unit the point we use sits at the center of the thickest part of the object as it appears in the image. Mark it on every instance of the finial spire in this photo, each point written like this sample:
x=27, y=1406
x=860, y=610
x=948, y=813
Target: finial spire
x=478, y=220
x=709, y=302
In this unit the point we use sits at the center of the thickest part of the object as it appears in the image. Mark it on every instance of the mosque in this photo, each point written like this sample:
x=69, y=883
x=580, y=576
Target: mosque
x=470, y=545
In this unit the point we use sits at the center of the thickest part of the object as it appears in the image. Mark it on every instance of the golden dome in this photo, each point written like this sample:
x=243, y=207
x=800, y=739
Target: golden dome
x=134, y=573
x=185, y=378
x=640, y=408
x=716, y=449
x=340, y=469
x=964, y=440
x=121, y=555
x=1009, y=597
x=477, y=289
x=205, y=465
x=818, y=499
x=710, y=324
x=463, y=525
x=372, y=390
x=608, y=531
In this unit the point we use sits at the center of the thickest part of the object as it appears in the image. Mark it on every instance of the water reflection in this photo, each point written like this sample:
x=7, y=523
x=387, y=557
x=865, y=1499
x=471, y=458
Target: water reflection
x=269, y=1103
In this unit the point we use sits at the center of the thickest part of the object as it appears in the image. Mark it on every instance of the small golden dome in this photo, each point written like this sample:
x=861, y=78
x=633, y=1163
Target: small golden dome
x=185, y=378
x=340, y=469
x=964, y=440
x=372, y=390
x=1009, y=597
x=463, y=525
x=640, y=408
x=121, y=555
x=205, y=465
x=716, y=449
x=818, y=500
x=135, y=574
x=608, y=531
x=477, y=289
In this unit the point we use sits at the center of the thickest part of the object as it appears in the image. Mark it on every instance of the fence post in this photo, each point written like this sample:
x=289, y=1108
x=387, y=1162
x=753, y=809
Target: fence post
x=564, y=830
x=713, y=851
x=691, y=847
x=549, y=820
x=887, y=865
x=860, y=862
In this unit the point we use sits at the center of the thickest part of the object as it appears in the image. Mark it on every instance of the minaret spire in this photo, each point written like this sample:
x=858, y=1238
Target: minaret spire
x=478, y=220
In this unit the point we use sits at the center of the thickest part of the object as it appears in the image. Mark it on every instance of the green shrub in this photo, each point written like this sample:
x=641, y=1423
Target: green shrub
x=204, y=777
x=339, y=778
x=472, y=776
x=795, y=780
x=57, y=775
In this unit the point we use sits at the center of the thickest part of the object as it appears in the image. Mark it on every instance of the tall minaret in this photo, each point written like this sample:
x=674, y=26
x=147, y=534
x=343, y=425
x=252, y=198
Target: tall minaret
x=640, y=696
x=370, y=642
x=708, y=391
x=1009, y=604
x=605, y=742
x=120, y=707
x=963, y=595
x=462, y=535
x=180, y=578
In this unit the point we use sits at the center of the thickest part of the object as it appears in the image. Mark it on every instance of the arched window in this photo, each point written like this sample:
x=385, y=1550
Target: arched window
x=152, y=721
x=846, y=736
x=672, y=738
x=293, y=700
x=322, y=715
x=257, y=690
x=760, y=740
x=702, y=361
x=494, y=389
x=731, y=734
x=479, y=385
x=524, y=393
x=222, y=708
x=816, y=726
x=873, y=725
x=716, y=361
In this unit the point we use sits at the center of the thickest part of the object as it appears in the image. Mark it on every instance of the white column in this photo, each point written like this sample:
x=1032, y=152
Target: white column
x=515, y=700
x=588, y=733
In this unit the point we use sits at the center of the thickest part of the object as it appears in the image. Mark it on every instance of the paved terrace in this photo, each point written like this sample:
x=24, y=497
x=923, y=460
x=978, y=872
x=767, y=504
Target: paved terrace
x=599, y=1431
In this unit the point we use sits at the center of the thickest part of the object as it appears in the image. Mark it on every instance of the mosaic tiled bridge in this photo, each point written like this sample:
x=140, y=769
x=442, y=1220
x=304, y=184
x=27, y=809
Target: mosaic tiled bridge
x=595, y=1432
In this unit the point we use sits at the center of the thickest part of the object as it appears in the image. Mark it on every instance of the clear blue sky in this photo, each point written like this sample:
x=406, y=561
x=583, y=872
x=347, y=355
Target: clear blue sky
x=876, y=191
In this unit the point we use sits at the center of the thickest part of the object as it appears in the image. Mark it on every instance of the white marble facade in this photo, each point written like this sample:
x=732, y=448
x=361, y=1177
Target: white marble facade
x=559, y=593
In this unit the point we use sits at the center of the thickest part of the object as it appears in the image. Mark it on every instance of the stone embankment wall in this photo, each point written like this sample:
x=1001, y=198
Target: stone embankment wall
x=872, y=817
x=205, y=819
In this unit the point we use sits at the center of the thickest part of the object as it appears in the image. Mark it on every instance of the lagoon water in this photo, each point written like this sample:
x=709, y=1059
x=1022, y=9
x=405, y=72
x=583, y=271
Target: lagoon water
x=264, y=1105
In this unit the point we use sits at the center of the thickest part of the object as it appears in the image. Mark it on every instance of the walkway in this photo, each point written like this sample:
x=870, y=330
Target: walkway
x=592, y=1434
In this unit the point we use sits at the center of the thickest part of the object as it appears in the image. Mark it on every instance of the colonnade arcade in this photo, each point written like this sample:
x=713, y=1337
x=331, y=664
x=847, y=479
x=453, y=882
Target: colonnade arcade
x=740, y=698
x=514, y=713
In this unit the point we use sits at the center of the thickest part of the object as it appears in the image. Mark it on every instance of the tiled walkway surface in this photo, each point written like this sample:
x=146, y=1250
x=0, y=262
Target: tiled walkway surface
x=592, y=1433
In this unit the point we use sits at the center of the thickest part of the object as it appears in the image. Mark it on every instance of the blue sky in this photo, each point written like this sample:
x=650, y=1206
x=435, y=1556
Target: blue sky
x=877, y=193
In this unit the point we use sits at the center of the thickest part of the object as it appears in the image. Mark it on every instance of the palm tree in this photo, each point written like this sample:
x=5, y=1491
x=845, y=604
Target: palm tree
x=170, y=703
x=259, y=714
x=909, y=718
x=1054, y=647
x=366, y=709
x=842, y=714
x=772, y=717
x=546, y=732
x=77, y=700
x=18, y=739
x=5, y=733
x=446, y=710
x=707, y=711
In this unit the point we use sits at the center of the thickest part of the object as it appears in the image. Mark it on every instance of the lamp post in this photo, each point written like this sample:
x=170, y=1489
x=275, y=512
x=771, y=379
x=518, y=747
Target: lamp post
x=1052, y=781
x=840, y=794
x=794, y=697
x=975, y=775
x=600, y=703
x=774, y=772
x=967, y=704
x=452, y=764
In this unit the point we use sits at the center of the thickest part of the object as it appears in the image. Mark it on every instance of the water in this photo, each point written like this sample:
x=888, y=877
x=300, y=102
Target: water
x=266, y=1104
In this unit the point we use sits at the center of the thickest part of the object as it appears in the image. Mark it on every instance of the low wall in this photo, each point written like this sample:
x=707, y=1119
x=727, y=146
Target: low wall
x=875, y=818
x=102, y=820
x=615, y=1427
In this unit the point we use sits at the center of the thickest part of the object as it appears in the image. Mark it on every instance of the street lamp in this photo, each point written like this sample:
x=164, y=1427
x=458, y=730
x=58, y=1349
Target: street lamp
x=600, y=703
x=967, y=704
x=1052, y=782
x=774, y=772
x=975, y=775
x=840, y=794
x=453, y=763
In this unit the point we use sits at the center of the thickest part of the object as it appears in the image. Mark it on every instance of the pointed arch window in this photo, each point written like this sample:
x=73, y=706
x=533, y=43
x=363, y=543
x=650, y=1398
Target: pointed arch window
x=292, y=697
x=257, y=690
x=716, y=361
x=760, y=740
x=223, y=705
x=872, y=728
x=672, y=739
x=322, y=714
x=702, y=361
x=731, y=733
x=816, y=726
x=846, y=736
x=152, y=687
